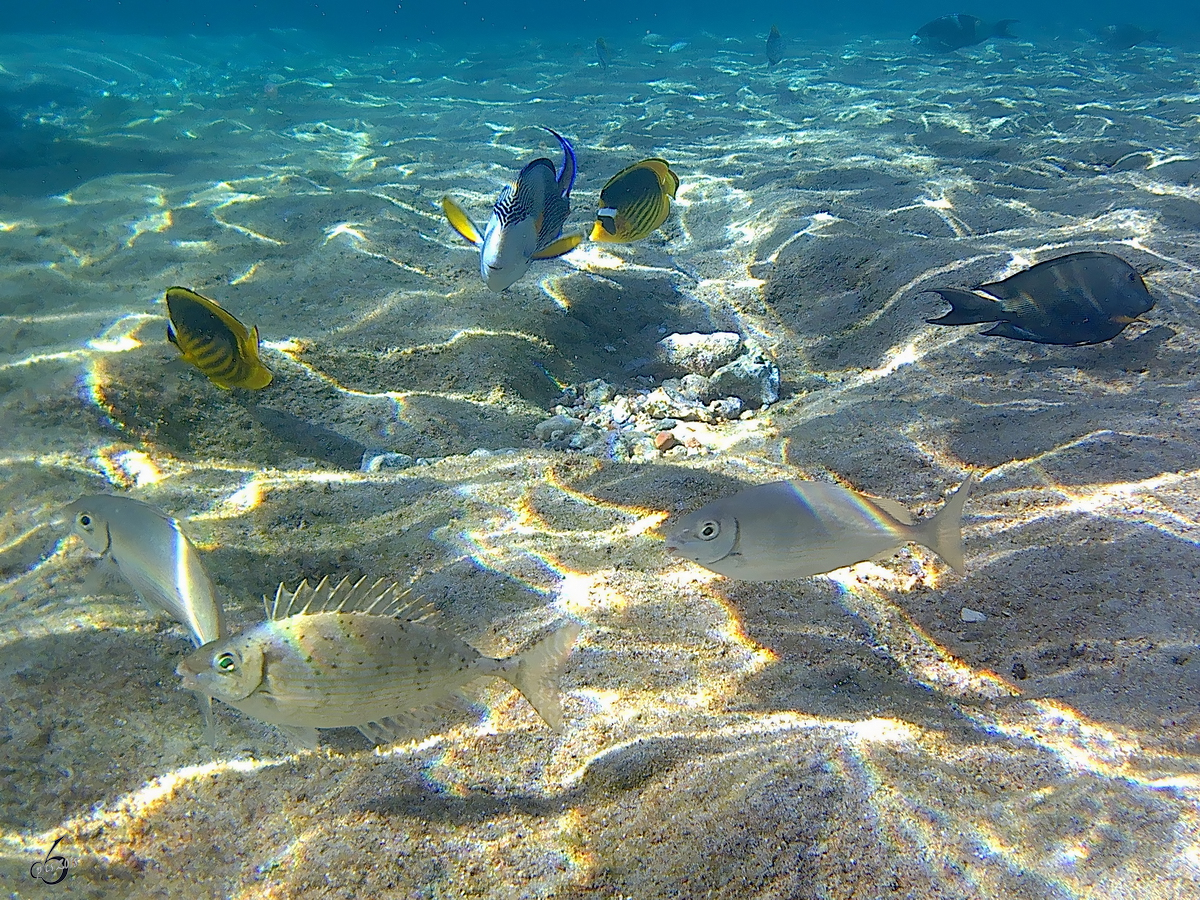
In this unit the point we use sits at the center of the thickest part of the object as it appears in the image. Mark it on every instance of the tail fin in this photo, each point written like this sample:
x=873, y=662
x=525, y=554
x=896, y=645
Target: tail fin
x=535, y=673
x=967, y=308
x=1000, y=29
x=943, y=533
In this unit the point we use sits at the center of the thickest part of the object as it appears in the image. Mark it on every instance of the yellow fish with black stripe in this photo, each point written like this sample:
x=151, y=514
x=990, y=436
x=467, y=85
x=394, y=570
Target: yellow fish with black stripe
x=215, y=342
x=635, y=202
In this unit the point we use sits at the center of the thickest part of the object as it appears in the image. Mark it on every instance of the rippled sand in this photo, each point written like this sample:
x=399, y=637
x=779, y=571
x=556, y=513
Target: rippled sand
x=846, y=736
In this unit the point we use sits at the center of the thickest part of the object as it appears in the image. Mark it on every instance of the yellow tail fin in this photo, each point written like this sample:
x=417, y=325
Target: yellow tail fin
x=461, y=222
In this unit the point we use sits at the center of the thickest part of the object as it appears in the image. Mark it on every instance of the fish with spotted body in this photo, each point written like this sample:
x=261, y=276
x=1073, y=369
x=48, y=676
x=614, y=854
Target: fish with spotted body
x=361, y=654
x=526, y=223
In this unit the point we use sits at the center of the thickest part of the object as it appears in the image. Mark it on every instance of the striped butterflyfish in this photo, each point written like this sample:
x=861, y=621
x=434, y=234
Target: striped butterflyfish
x=635, y=202
x=214, y=341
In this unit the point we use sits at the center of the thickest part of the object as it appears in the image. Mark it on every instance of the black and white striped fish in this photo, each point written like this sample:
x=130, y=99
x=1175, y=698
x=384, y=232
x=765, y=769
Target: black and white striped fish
x=526, y=223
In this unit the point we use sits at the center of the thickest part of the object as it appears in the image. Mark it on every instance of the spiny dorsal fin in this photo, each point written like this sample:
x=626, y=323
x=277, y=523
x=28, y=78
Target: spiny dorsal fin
x=377, y=598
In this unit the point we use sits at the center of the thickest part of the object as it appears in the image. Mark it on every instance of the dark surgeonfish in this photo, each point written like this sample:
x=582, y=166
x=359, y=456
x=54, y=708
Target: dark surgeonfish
x=1122, y=37
x=1080, y=298
x=602, y=54
x=635, y=202
x=215, y=342
x=958, y=31
x=774, y=46
x=526, y=222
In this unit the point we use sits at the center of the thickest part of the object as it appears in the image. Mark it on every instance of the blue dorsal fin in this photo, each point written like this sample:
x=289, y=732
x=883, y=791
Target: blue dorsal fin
x=376, y=598
x=569, y=167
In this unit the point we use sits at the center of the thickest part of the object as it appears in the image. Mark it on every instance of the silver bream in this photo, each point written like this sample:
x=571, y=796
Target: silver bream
x=793, y=529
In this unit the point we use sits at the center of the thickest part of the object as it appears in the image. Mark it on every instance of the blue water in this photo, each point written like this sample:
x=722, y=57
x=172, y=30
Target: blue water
x=368, y=22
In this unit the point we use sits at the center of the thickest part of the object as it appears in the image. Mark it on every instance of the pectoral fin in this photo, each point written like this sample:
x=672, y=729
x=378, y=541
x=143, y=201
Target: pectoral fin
x=562, y=246
x=301, y=735
x=461, y=222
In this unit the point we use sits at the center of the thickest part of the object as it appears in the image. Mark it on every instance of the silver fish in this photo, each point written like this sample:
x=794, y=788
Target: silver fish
x=360, y=654
x=526, y=223
x=154, y=556
x=793, y=529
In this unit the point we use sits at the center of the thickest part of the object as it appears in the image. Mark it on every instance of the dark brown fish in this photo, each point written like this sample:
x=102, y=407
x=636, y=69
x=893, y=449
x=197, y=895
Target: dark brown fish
x=774, y=46
x=1080, y=298
x=958, y=31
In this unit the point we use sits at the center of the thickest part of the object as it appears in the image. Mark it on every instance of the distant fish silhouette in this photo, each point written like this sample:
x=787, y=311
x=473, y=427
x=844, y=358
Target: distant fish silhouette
x=774, y=46
x=602, y=54
x=958, y=31
x=1080, y=298
x=1122, y=37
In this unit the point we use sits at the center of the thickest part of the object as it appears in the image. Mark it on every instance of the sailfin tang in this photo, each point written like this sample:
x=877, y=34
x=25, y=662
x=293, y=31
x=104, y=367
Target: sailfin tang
x=569, y=167
x=461, y=222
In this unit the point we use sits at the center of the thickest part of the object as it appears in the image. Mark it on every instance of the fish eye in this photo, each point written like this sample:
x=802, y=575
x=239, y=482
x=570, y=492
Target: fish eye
x=226, y=663
x=85, y=521
x=708, y=530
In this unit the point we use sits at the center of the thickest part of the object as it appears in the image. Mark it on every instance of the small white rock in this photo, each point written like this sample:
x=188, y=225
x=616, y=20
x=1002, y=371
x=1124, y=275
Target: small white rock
x=971, y=615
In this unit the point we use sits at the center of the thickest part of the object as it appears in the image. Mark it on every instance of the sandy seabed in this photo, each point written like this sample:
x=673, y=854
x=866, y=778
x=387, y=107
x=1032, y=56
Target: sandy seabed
x=847, y=736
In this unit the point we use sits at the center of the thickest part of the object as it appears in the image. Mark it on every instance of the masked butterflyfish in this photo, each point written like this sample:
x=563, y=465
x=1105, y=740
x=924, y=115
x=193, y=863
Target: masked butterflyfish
x=526, y=223
x=215, y=342
x=363, y=655
x=1081, y=298
x=794, y=529
x=635, y=202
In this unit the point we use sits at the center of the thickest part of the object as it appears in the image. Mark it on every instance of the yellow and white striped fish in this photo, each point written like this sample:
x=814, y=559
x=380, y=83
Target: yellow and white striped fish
x=214, y=341
x=635, y=202
x=793, y=529
x=361, y=654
